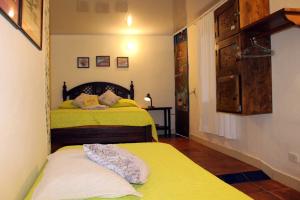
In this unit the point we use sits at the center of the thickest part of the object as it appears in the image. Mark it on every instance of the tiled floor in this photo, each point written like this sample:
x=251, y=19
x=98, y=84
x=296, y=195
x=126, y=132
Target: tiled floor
x=220, y=164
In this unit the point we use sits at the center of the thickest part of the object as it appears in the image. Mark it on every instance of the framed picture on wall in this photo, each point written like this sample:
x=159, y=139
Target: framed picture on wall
x=10, y=10
x=122, y=62
x=32, y=21
x=83, y=62
x=102, y=61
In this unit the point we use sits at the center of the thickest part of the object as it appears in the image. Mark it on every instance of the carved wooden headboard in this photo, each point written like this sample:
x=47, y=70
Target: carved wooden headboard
x=97, y=88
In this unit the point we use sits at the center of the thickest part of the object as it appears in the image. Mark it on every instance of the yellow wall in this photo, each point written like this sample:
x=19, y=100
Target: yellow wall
x=150, y=65
x=266, y=137
x=23, y=143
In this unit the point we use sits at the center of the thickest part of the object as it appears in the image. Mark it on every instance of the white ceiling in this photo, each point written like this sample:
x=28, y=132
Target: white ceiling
x=150, y=17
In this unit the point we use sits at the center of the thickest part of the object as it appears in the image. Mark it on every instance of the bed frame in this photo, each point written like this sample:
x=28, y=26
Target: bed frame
x=97, y=88
x=98, y=134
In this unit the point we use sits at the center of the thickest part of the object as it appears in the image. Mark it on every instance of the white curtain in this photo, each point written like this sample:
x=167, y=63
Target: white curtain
x=226, y=125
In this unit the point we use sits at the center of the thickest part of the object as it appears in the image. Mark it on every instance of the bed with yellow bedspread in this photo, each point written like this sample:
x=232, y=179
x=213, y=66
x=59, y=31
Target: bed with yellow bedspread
x=122, y=116
x=173, y=176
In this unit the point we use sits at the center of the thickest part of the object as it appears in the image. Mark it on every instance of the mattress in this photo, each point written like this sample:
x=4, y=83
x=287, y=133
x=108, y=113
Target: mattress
x=126, y=116
x=173, y=177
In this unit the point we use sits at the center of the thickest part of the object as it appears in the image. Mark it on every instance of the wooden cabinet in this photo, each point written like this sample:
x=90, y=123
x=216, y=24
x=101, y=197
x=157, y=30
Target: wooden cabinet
x=226, y=56
x=227, y=20
x=244, y=85
x=252, y=10
x=236, y=14
x=228, y=94
x=228, y=76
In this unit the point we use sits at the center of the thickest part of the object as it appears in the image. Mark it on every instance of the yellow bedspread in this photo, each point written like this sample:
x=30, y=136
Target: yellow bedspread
x=173, y=177
x=127, y=116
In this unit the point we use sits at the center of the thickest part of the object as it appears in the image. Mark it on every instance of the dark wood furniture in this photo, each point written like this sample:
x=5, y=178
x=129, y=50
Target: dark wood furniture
x=252, y=10
x=227, y=20
x=167, y=119
x=99, y=134
x=244, y=85
x=97, y=88
x=236, y=14
x=277, y=21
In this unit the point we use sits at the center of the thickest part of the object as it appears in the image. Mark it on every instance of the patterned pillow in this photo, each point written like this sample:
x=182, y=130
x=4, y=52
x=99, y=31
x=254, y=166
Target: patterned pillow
x=125, y=103
x=85, y=100
x=68, y=104
x=109, y=98
x=124, y=163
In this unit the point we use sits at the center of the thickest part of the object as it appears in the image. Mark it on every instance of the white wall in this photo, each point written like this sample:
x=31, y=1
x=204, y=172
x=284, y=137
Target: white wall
x=23, y=143
x=151, y=65
x=267, y=137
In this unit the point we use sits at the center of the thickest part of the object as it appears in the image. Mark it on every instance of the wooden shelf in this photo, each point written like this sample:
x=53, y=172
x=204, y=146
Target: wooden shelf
x=275, y=22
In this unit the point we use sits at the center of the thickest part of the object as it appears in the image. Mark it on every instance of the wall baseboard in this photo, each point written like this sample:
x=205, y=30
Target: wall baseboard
x=275, y=174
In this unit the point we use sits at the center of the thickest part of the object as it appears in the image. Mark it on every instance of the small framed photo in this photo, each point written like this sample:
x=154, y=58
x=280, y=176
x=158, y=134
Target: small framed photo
x=102, y=61
x=83, y=62
x=10, y=10
x=122, y=62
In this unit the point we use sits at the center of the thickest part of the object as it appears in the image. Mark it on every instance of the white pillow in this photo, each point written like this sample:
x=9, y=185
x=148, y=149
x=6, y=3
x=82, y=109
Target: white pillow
x=109, y=98
x=70, y=175
x=119, y=160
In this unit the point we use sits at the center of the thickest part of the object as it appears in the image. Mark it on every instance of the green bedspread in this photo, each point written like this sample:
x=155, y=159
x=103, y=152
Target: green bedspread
x=127, y=116
x=173, y=176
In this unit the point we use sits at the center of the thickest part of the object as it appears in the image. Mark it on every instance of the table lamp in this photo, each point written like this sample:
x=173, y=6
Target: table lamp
x=149, y=98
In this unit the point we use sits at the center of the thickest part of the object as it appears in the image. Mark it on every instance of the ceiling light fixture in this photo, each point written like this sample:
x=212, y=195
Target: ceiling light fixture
x=129, y=20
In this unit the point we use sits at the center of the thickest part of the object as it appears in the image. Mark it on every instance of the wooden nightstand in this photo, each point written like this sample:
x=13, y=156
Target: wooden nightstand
x=167, y=119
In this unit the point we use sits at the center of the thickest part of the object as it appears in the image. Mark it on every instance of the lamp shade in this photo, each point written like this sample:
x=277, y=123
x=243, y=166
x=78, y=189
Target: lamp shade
x=148, y=98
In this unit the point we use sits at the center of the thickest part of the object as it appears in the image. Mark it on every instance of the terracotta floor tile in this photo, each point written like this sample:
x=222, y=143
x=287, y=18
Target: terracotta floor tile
x=263, y=196
x=211, y=160
x=269, y=185
x=287, y=194
x=247, y=187
x=219, y=164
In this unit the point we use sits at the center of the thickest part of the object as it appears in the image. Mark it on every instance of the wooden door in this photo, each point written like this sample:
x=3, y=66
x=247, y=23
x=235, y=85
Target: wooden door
x=227, y=20
x=181, y=84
